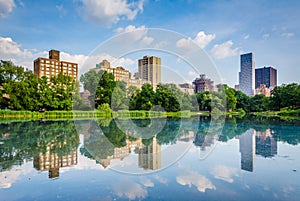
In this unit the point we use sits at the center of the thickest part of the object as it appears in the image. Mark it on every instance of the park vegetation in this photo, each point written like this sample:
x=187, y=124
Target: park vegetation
x=21, y=91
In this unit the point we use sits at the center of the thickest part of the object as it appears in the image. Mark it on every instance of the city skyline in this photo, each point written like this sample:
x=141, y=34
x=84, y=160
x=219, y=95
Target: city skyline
x=222, y=32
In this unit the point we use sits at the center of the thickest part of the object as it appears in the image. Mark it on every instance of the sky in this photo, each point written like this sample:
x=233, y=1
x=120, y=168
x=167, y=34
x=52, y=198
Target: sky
x=123, y=31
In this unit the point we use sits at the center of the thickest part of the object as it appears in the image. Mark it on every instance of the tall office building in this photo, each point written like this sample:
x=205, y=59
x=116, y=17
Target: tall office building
x=267, y=76
x=150, y=69
x=247, y=74
x=52, y=66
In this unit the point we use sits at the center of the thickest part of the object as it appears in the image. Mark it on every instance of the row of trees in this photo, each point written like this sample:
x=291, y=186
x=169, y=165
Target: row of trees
x=22, y=90
x=104, y=90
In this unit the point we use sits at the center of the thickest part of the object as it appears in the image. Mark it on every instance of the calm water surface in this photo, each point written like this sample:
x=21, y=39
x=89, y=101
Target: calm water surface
x=160, y=159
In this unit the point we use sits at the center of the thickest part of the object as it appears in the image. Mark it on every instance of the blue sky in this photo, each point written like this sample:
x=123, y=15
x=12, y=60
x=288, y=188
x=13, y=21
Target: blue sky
x=224, y=29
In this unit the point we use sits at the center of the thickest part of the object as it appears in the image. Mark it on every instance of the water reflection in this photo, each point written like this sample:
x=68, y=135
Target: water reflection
x=236, y=160
x=52, y=145
x=51, y=160
x=254, y=142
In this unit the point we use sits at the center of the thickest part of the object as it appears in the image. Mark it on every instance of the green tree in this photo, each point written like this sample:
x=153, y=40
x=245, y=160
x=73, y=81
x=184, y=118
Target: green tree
x=259, y=103
x=275, y=99
x=63, y=89
x=204, y=101
x=230, y=98
x=105, y=89
x=104, y=108
x=18, y=87
x=242, y=101
x=144, y=100
x=131, y=91
x=167, y=97
x=90, y=82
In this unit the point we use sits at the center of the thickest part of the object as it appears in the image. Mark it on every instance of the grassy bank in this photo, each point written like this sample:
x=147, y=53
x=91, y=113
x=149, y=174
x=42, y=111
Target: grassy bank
x=10, y=114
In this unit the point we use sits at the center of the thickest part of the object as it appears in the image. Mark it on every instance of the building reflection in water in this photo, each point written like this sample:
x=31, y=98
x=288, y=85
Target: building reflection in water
x=254, y=142
x=247, y=149
x=206, y=143
x=101, y=150
x=266, y=145
x=121, y=152
x=150, y=156
x=51, y=160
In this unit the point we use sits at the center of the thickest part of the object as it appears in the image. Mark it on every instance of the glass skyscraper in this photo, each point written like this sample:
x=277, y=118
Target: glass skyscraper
x=247, y=74
x=267, y=76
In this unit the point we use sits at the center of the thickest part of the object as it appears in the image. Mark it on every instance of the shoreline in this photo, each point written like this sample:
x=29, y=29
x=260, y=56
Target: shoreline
x=75, y=114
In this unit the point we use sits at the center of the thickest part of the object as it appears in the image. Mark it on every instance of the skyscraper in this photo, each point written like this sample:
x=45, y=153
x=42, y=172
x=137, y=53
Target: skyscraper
x=247, y=74
x=267, y=76
x=150, y=69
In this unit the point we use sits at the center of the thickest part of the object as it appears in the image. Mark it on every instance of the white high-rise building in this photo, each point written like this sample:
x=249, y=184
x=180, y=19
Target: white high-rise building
x=247, y=74
x=150, y=69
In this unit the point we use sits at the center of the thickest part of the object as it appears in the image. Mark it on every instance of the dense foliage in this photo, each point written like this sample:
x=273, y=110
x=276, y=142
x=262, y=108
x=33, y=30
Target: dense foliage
x=170, y=98
x=22, y=90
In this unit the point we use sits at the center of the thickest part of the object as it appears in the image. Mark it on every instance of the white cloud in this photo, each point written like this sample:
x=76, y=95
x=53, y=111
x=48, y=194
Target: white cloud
x=161, y=44
x=129, y=190
x=224, y=50
x=160, y=179
x=288, y=35
x=106, y=13
x=87, y=62
x=8, y=178
x=193, y=178
x=265, y=36
x=147, y=40
x=224, y=173
x=192, y=74
x=147, y=182
x=9, y=47
x=6, y=7
x=134, y=33
x=246, y=36
x=11, y=50
x=201, y=39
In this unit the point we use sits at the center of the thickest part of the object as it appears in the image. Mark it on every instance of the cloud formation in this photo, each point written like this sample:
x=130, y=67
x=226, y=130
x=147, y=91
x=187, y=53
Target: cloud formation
x=6, y=7
x=110, y=12
x=11, y=50
x=202, y=40
x=224, y=50
x=134, y=33
x=130, y=190
x=224, y=173
x=193, y=178
x=288, y=35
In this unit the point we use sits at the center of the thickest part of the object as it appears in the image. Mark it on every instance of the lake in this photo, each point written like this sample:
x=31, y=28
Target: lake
x=197, y=158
